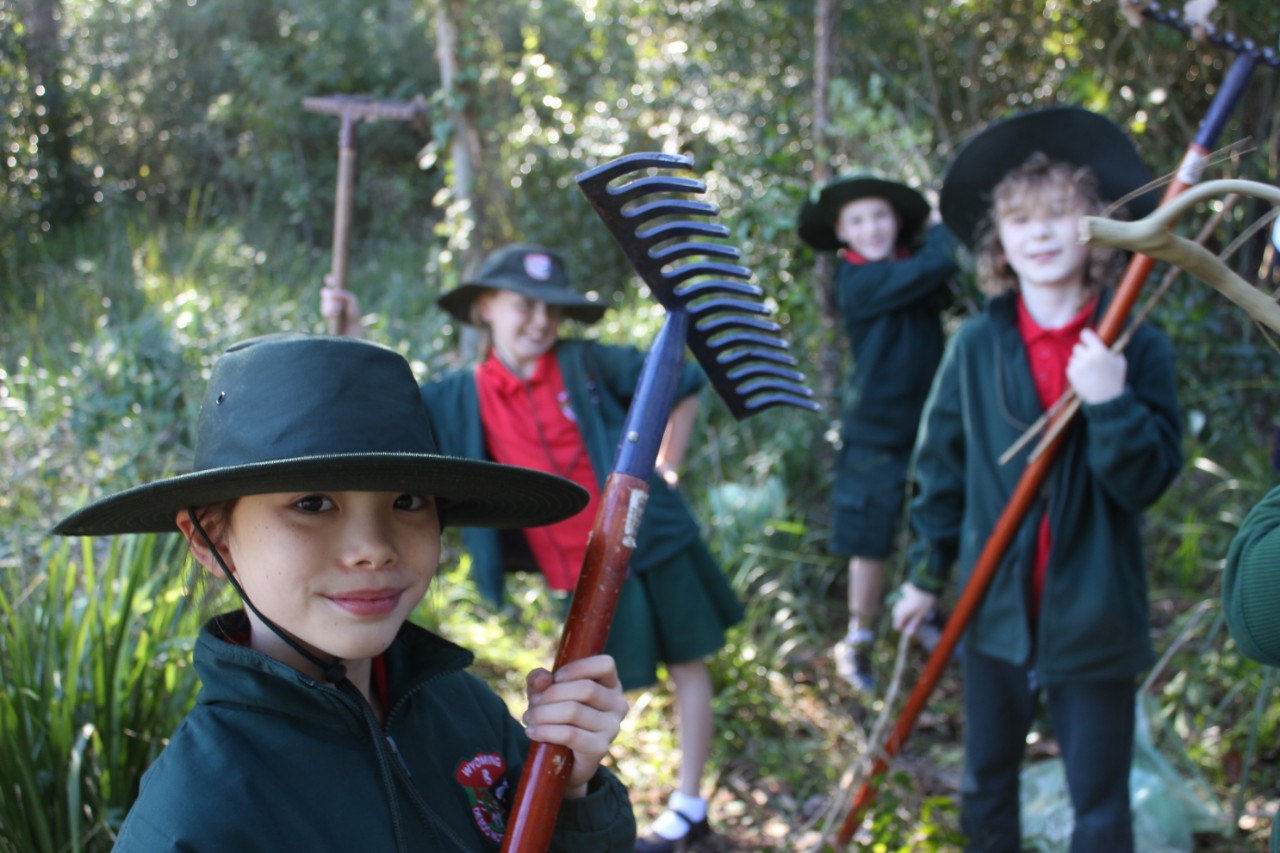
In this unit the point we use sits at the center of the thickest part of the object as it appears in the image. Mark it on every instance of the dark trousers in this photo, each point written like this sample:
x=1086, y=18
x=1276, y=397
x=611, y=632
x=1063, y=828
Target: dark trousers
x=1093, y=722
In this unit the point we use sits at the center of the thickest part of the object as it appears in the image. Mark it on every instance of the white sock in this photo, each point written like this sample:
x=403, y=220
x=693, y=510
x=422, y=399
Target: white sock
x=670, y=825
x=694, y=808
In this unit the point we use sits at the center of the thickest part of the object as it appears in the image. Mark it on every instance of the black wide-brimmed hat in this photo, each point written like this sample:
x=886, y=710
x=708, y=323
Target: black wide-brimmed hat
x=1071, y=134
x=302, y=413
x=819, y=211
x=533, y=271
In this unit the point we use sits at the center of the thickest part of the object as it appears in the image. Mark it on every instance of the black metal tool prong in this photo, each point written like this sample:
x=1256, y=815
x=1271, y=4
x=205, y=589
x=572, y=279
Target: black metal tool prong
x=669, y=243
x=670, y=207
x=688, y=291
x=680, y=228
x=667, y=254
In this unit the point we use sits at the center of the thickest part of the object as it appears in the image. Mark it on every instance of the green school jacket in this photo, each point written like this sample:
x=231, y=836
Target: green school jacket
x=1251, y=591
x=600, y=380
x=1118, y=459
x=271, y=760
x=890, y=311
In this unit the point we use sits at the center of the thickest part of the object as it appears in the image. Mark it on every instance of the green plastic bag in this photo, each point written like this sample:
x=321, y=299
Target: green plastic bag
x=1170, y=806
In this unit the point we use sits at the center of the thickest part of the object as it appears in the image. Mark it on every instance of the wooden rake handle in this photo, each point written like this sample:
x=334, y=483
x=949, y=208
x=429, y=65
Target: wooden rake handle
x=604, y=569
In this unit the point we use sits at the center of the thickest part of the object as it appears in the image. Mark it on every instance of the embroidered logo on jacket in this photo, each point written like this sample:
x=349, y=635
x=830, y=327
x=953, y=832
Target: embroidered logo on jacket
x=485, y=779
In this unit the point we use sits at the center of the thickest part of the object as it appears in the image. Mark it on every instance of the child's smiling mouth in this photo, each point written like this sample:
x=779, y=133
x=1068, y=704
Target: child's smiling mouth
x=367, y=602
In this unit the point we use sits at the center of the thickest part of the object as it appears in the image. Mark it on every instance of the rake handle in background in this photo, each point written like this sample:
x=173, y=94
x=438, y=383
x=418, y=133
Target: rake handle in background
x=352, y=109
x=1034, y=475
x=604, y=569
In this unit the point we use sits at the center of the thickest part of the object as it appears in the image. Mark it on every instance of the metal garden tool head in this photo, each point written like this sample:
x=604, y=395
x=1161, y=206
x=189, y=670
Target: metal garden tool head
x=740, y=350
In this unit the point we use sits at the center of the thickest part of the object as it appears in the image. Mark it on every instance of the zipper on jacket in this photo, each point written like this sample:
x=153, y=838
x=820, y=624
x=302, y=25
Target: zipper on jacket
x=395, y=750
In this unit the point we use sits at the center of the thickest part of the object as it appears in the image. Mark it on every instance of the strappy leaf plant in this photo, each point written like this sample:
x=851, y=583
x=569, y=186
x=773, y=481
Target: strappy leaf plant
x=94, y=657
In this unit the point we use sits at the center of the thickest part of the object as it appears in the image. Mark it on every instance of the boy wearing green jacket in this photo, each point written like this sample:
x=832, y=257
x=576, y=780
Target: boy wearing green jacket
x=1064, y=620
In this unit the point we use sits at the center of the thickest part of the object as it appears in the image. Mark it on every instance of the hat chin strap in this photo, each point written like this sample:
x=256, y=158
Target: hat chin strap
x=334, y=670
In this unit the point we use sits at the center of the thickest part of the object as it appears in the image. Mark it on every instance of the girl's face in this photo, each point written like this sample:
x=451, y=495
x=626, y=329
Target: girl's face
x=1039, y=232
x=870, y=227
x=522, y=328
x=340, y=571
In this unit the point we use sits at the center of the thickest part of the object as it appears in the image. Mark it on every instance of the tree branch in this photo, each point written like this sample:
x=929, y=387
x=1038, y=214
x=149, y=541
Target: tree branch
x=1152, y=237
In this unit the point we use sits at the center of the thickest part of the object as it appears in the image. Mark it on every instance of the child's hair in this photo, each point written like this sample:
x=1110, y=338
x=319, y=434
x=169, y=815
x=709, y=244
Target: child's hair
x=1037, y=176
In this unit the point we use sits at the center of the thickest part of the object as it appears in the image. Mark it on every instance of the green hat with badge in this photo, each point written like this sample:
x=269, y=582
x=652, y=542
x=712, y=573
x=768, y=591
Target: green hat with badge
x=535, y=272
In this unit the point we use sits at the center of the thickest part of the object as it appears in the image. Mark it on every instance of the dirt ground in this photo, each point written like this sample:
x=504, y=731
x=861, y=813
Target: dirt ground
x=757, y=808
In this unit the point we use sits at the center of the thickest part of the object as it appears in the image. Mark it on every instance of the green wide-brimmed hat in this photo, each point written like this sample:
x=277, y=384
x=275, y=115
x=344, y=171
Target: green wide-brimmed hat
x=303, y=413
x=1071, y=134
x=818, y=213
x=534, y=271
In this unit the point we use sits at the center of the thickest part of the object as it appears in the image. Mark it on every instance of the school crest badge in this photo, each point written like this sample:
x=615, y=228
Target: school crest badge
x=485, y=779
x=538, y=266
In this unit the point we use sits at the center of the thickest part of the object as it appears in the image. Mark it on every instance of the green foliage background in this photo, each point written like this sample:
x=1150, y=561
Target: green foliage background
x=165, y=194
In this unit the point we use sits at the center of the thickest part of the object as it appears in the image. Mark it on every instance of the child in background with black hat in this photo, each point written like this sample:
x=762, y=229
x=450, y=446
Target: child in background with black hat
x=890, y=299
x=558, y=404
x=327, y=721
x=1065, y=616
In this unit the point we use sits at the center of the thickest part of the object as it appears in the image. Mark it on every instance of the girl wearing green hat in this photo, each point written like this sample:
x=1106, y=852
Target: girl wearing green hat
x=890, y=293
x=558, y=404
x=1064, y=620
x=326, y=720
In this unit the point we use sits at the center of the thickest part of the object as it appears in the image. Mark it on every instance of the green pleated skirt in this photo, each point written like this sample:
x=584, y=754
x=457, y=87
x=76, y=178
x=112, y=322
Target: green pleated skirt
x=675, y=612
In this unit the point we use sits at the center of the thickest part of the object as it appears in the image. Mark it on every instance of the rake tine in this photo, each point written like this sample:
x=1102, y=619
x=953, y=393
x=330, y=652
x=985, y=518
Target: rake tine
x=762, y=383
x=689, y=291
x=775, y=356
x=755, y=368
x=684, y=250
x=728, y=340
x=605, y=173
x=759, y=403
x=682, y=228
x=670, y=207
x=656, y=184
x=687, y=271
x=717, y=322
x=719, y=305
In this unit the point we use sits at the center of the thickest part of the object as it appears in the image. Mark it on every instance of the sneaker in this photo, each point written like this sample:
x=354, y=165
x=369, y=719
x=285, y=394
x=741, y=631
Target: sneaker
x=853, y=664
x=687, y=832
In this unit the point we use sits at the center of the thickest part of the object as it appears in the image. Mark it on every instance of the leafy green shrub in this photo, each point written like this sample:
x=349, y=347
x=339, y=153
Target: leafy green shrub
x=94, y=675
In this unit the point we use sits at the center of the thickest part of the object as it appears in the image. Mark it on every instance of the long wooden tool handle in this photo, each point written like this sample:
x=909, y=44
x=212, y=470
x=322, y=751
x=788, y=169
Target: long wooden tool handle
x=342, y=209
x=604, y=569
x=547, y=766
x=1033, y=476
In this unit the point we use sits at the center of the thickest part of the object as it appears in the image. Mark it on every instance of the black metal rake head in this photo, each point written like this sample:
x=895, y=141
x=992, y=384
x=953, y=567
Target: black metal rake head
x=741, y=351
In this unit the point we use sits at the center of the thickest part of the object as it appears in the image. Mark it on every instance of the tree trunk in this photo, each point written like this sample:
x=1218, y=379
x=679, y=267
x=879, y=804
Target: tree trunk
x=58, y=176
x=825, y=29
x=464, y=153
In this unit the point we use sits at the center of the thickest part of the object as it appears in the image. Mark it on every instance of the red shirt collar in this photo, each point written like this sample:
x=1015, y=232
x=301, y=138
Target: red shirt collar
x=858, y=260
x=1033, y=332
x=496, y=375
